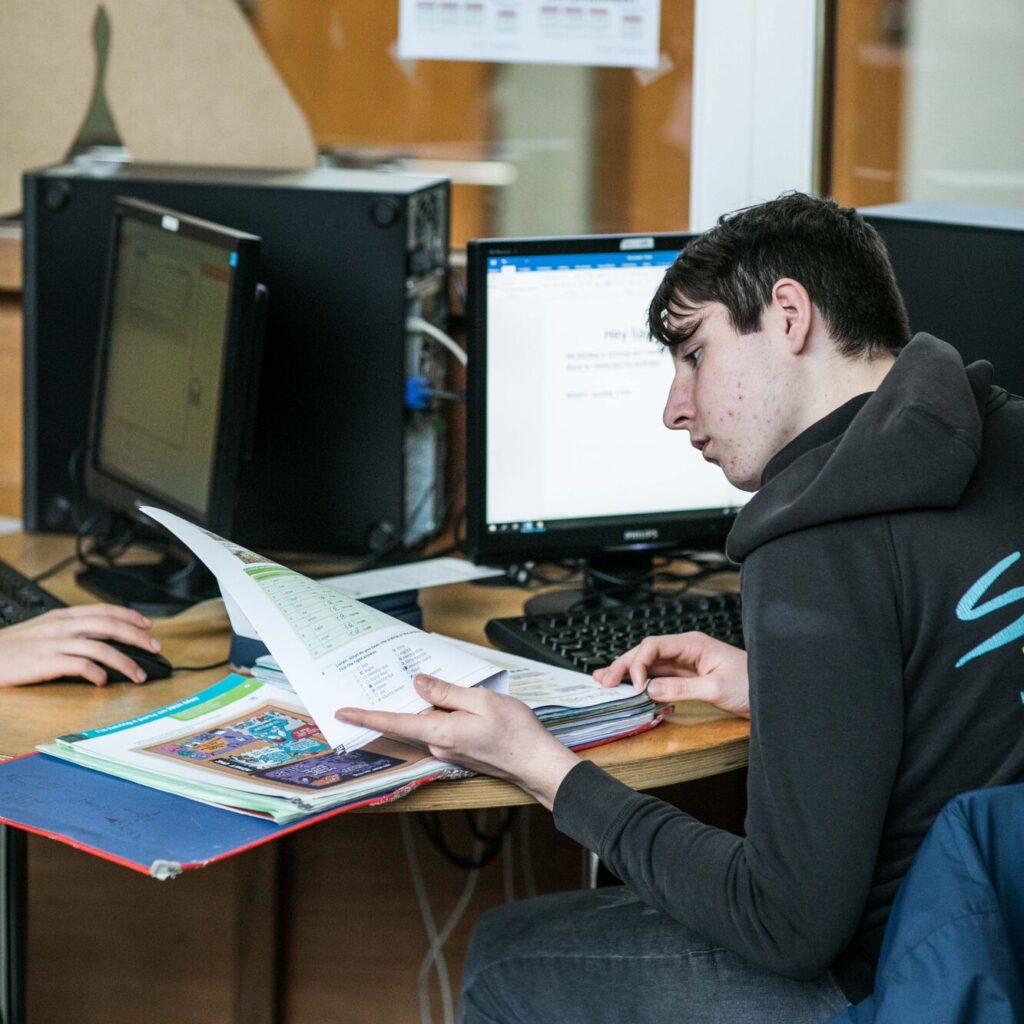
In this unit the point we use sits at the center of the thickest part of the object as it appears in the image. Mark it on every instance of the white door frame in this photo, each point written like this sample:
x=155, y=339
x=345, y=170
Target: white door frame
x=756, y=102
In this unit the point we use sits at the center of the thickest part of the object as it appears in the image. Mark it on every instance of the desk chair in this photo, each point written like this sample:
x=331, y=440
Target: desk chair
x=954, y=946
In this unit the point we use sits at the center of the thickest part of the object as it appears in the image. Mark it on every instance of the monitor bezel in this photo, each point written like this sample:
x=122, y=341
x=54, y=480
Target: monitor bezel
x=103, y=483
x=700, y=529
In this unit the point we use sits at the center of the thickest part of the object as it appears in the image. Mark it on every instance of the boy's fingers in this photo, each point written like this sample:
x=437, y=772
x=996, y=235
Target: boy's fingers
x=448, y=696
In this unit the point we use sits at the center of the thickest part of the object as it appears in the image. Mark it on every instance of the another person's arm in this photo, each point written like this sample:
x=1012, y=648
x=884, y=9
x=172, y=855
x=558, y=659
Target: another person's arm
x=70, y=642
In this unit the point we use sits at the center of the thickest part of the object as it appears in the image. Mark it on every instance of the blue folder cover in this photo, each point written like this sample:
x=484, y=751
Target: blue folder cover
x=157, y=833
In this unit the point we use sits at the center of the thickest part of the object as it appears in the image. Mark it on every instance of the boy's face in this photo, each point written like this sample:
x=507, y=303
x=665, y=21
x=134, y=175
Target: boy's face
x=732, y=393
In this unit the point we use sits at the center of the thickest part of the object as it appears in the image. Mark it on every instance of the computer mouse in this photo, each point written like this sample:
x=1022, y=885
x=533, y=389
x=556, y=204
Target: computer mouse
x=156, y=666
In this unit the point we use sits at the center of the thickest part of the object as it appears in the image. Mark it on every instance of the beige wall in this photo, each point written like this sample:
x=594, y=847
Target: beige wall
x=10, y=371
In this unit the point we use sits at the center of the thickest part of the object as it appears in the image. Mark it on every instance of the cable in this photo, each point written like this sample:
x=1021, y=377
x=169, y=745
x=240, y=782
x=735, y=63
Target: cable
x=648, y=586
x=459, y=285
x=107, y=551
x=489, y=838
x=413, y=551
x=199, y=668
x=435, y=951
x=434, y=954
x=491, y=844
x=54, y=569
x=417, y=323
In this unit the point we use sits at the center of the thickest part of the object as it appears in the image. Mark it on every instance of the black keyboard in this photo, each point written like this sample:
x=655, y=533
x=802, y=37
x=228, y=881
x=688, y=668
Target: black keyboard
x=20, y=598
x=588, y=640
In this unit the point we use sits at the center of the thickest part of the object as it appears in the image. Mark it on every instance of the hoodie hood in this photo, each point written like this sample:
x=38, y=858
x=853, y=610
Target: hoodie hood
x=913, y=443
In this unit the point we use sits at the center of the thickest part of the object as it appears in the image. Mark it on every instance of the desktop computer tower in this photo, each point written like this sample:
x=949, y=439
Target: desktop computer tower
x=339, y=464
x=960, y=270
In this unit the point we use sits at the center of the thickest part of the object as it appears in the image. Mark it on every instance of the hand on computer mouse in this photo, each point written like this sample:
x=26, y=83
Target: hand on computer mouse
x=72, y=642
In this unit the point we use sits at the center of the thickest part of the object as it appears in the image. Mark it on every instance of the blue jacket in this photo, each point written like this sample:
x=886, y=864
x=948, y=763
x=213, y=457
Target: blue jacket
x=953, y=951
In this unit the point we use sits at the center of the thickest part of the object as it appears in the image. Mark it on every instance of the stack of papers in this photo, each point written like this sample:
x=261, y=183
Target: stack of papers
x=573, y=707
x=271, y=745
x=248, y=746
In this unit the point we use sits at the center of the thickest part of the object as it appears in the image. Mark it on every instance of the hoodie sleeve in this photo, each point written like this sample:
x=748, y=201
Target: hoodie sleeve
x=821, y=625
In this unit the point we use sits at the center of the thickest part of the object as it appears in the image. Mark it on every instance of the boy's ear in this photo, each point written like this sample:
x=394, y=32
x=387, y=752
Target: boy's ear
x=795, y=309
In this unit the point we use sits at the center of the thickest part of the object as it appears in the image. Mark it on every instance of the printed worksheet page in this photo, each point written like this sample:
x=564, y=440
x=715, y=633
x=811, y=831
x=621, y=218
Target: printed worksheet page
x=336, y=651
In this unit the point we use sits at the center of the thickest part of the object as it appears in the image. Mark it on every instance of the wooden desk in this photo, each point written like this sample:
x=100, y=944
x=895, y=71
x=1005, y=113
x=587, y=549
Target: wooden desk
x=696, y=741
x=215, y=934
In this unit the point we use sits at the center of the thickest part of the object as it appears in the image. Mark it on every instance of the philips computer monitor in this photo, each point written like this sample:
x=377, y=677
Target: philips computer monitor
x=568, y=455
x=174, y=394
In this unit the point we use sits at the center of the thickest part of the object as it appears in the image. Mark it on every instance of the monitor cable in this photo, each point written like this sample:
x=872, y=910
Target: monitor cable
x=416, y=324
x=201, y=668
x=53, y=570
x=105, y=552
x=458, y=286
x=434, y=959
x=480, y=856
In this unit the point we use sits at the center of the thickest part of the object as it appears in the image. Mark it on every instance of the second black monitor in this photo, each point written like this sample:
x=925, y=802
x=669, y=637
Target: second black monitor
x=960, y=270
x=175, y=386
x=175, y=364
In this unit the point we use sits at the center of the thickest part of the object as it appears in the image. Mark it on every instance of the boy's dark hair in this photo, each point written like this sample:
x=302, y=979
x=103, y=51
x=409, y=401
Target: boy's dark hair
x=829, y=249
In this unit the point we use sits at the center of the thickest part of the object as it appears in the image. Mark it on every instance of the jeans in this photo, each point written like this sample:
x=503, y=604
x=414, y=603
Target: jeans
x=601, y=955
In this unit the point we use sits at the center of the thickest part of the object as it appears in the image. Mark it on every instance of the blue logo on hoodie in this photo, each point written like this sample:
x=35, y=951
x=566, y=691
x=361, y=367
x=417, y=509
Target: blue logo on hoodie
x=968, y=608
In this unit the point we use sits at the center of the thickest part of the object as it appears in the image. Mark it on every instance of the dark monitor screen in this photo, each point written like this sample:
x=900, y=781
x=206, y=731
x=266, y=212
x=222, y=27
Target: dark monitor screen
x=960, y=270
x=171, y=395
x=568, y=455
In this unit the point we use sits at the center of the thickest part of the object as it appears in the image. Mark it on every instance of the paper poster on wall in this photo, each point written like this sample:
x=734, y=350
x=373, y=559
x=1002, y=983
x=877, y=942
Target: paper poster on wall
x=597, y=33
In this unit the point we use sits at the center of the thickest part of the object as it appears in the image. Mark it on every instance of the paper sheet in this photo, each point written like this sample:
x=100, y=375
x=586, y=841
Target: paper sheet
x=593, y=33
x=539, y=686
x=246, y=746
x=336, y=651
x=432, y=572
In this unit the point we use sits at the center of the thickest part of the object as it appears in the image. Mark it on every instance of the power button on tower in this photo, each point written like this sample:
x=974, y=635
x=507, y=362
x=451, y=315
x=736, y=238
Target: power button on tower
x=385, y=213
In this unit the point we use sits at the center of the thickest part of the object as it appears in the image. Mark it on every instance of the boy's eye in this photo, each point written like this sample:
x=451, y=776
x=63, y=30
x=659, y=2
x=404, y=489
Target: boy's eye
x=693, y=357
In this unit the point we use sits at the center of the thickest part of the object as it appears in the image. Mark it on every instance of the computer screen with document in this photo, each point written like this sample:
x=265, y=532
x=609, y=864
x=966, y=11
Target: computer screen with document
x=568, y=455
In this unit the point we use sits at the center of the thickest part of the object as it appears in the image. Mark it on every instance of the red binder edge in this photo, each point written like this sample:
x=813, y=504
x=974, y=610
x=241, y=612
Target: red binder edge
x=374, y=801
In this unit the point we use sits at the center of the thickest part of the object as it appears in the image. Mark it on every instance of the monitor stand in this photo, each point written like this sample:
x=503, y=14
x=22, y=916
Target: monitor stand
x=164, y=588
x=609, y=579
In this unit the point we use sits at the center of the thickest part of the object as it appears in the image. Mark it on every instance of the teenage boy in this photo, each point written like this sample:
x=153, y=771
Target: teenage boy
x=882, y=590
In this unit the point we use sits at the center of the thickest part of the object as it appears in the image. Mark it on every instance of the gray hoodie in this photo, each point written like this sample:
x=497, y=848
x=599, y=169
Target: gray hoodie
x=883, y=613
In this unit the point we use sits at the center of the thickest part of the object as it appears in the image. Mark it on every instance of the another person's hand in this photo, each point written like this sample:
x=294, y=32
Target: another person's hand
x=685, y=666
x=488, y=732
x=69, y=642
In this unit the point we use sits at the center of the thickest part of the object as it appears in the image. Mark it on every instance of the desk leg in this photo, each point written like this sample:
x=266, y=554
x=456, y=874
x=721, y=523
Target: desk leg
x=13, y=886
x=259, y=924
